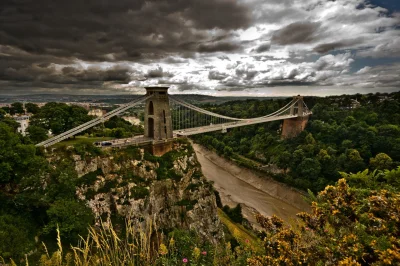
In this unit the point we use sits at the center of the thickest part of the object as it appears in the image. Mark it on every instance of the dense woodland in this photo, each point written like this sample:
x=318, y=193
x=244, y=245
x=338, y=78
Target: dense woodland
x=338, y=138
x=350, y=156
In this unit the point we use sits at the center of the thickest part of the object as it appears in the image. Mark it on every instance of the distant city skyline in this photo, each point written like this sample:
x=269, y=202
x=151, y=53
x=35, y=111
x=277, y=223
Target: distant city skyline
x=212, y=47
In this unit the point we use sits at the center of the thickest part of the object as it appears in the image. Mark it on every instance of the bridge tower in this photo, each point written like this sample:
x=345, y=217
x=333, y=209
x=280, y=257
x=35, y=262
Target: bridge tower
x=157, y=120
x=157, y=115
x=294, y=126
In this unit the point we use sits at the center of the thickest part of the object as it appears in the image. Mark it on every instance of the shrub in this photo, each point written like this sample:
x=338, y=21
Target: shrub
x=234, y=213
x=138, y=192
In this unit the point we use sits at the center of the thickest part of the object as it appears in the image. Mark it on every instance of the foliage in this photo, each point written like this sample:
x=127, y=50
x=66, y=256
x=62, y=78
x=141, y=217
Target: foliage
x=37, y=134
x=381, y=161
x=17, y=108
x=84, y=148
x=241, y=234
x=71, y=217
x=32, y=108
x=138, y=192
x=235, y=214
x=15, y=236
x=60, y=117
x=107, y=246
x=356, y=224
x=338, y=138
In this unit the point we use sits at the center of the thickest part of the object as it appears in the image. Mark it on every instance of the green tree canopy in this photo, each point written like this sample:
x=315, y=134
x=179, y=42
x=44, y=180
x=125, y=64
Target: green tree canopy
x=37, y=134
x=32, y=108
x=17, y=108
x=381, y=161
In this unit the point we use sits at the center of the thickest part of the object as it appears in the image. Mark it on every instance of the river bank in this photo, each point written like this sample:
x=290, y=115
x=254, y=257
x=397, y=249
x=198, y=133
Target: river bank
x=254, y=192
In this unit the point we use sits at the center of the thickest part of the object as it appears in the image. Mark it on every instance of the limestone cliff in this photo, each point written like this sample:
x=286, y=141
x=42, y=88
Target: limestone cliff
x=170, y=190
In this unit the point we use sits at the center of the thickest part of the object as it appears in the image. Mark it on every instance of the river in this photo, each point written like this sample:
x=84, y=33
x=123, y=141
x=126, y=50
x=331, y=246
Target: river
x=254, y=192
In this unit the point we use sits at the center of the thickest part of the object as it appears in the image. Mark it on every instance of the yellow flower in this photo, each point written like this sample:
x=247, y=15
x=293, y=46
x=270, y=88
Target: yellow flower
x=171, y=242
x=196, y=253
x=163, y=249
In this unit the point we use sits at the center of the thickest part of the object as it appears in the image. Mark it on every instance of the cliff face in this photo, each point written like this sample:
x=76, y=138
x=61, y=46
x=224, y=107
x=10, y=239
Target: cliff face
x=170, y=191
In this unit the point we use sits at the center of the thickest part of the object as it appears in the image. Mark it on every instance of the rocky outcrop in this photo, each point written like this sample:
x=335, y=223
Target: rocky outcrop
x=169, y=191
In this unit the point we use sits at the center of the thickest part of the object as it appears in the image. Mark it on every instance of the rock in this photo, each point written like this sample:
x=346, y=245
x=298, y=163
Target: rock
x=187, y=203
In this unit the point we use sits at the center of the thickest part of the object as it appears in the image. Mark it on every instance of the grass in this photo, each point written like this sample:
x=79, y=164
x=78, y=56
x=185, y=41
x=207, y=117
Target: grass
x=242, y=235
x=80, y=139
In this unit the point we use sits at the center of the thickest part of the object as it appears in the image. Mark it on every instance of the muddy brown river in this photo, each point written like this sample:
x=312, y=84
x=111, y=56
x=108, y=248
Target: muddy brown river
x=255, y=193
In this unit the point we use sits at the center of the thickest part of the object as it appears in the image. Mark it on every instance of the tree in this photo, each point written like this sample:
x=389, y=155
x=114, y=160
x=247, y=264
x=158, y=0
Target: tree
x=284, y=160
x=32, y=108
x=2, y=113
x=228, y=151
x=15, y=238
x=353, y=162
x=60, y=117
x=71, y=217
x=234, y=213
x=309, y=168
x=37, y=134
x=381, y=161
x=17, y=108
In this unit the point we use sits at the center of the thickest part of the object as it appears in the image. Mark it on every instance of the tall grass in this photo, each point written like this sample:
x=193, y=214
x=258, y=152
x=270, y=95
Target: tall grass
x=103, y=246
x=145, y=246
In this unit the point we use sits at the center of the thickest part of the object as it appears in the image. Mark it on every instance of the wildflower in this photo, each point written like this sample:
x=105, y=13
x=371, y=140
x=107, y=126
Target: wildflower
x=247, y=241
x=163, y=249
x=196, y=253
x=204, y=253
x=172, y=242
x=307, y=228
x=185, y=260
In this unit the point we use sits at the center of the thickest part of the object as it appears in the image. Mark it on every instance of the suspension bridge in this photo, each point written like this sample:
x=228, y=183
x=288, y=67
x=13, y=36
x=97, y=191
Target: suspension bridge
x=168, y=117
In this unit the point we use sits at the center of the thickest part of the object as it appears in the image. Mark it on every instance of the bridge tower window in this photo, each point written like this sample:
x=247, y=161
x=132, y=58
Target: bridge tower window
x=165, y=119
x=151, y=108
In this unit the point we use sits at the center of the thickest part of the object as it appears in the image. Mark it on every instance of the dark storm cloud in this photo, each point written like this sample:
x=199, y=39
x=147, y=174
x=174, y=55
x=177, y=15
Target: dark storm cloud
x=224, y=57
x=175, y=60
x=326, y=47
x=37, y=74
x=218, y=47
x=215, y=75
x=263, y=48
x=38, y=33
x=158, y=73
x=191, y=87
x=297, y=32
x=127, y=29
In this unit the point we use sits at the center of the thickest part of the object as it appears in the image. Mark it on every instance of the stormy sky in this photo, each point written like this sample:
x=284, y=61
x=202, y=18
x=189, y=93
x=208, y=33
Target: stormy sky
x=216, y=47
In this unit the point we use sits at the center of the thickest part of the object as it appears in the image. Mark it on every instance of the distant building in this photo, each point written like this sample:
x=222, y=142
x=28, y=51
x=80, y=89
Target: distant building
x=23, y=121
x=132, y=119
x=355, y=104
x=385, y=98
x=97, y=112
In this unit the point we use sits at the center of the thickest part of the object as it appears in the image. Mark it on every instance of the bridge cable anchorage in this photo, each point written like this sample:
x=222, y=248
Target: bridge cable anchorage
x=92, y=123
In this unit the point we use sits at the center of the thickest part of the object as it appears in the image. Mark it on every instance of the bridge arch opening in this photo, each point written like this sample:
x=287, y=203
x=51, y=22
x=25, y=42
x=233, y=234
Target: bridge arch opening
x=151, y=108
x=151, y=127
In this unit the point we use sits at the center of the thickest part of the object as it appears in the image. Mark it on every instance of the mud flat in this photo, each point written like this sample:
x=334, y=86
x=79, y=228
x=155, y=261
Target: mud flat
x=255, y=192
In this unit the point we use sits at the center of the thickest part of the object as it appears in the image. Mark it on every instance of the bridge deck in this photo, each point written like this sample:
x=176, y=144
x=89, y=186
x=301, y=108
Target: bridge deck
x=141, y=140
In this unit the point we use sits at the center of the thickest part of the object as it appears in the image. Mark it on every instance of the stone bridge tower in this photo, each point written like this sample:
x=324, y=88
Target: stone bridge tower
x=157, y=115
x=294, y=126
